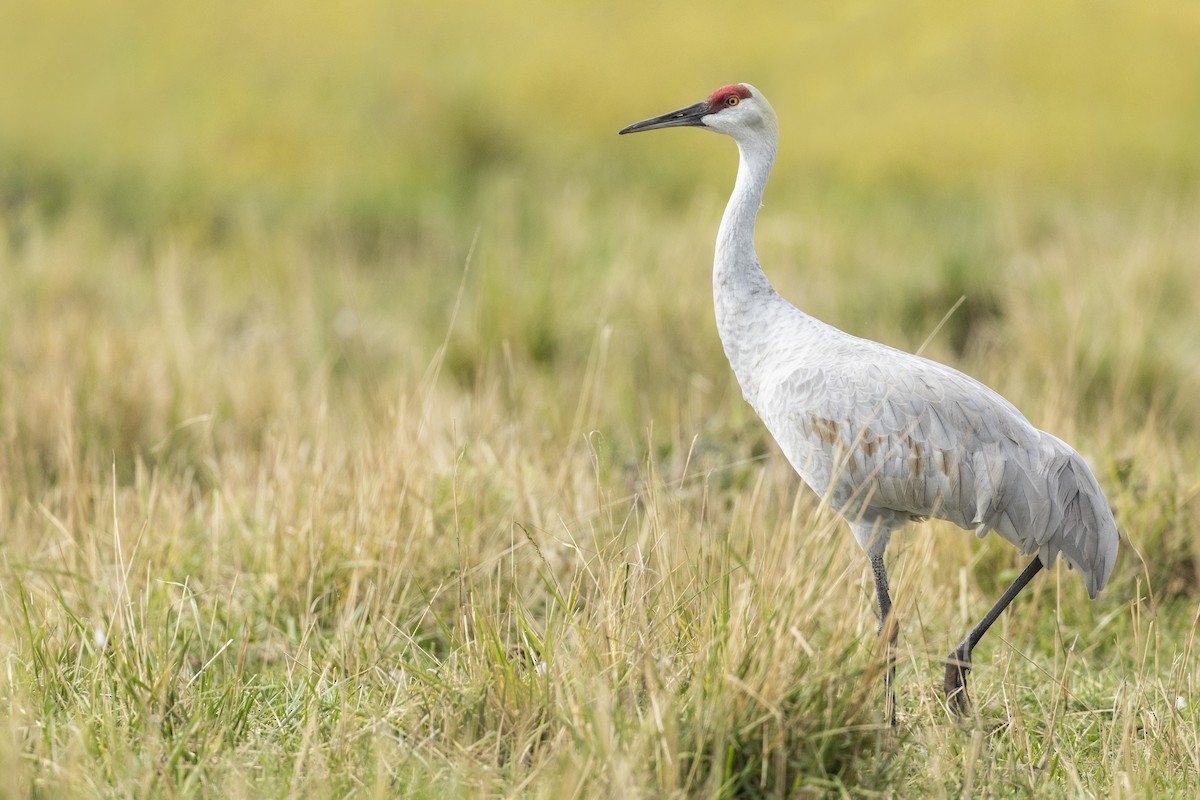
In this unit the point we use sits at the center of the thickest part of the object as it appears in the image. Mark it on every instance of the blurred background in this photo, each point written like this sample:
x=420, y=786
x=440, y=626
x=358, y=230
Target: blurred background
x=374, y=110
x=240, y=208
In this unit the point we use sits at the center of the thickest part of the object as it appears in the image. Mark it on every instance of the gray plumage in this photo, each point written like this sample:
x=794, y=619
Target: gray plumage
x=886, y=436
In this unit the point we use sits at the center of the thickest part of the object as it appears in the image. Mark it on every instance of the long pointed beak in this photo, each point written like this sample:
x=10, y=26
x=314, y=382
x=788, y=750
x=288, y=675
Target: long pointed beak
x=692, y=115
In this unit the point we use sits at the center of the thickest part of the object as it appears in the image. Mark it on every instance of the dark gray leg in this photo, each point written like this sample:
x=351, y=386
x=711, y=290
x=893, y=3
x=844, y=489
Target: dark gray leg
x=958, y=663
x=888, y=627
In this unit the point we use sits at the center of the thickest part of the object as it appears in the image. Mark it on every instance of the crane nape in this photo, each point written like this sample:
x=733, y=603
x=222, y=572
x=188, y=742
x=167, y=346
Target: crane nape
x=883, y=435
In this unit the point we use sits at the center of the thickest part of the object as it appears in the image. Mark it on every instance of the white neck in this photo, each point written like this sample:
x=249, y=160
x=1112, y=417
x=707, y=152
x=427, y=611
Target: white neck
x=735, y=238
x=744, y=300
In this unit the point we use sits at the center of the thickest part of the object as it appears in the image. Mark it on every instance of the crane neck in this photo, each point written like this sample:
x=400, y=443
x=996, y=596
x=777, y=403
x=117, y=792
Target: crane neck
x=738, y=280
x=736, y=257
x=748, y=309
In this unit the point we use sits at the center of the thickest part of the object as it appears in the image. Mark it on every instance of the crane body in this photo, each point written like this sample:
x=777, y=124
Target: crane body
x=886, y=436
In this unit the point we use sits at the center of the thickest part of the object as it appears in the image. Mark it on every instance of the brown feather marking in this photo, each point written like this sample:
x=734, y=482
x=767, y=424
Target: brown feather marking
x=827, y=429
x=916, y=460
x=945, y=463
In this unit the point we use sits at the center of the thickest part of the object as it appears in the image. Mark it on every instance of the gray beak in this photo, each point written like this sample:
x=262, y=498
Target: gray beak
x=690, y=116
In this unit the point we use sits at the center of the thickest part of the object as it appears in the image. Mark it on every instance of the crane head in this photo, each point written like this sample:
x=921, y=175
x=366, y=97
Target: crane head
x=727, y=110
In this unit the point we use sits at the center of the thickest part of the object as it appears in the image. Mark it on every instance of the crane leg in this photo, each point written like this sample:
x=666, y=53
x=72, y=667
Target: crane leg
x=958, y=663
x=887, y=627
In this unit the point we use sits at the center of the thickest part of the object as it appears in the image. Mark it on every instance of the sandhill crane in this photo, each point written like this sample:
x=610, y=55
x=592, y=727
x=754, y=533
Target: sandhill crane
x=887, y=436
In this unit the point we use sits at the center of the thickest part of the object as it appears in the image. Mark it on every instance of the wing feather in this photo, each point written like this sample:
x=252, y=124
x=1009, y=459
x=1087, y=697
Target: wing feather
x=888, y=435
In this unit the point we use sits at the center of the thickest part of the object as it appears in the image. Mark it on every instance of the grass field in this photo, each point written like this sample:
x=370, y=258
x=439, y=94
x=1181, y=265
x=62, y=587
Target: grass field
x=364, y=429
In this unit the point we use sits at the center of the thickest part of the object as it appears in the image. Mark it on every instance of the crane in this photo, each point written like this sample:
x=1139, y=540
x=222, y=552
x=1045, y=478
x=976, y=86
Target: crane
x=885, y=436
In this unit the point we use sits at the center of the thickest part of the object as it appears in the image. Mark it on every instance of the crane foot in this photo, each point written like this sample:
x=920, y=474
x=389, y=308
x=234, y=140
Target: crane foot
x=958, y=665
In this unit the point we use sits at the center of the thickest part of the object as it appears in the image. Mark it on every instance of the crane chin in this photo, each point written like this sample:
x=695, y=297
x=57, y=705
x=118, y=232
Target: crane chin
x=692, y=116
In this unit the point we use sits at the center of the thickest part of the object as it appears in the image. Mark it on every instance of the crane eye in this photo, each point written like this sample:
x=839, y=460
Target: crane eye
x=732, y=100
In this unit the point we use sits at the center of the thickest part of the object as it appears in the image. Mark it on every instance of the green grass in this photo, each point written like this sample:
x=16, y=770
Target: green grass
x=364, y=429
